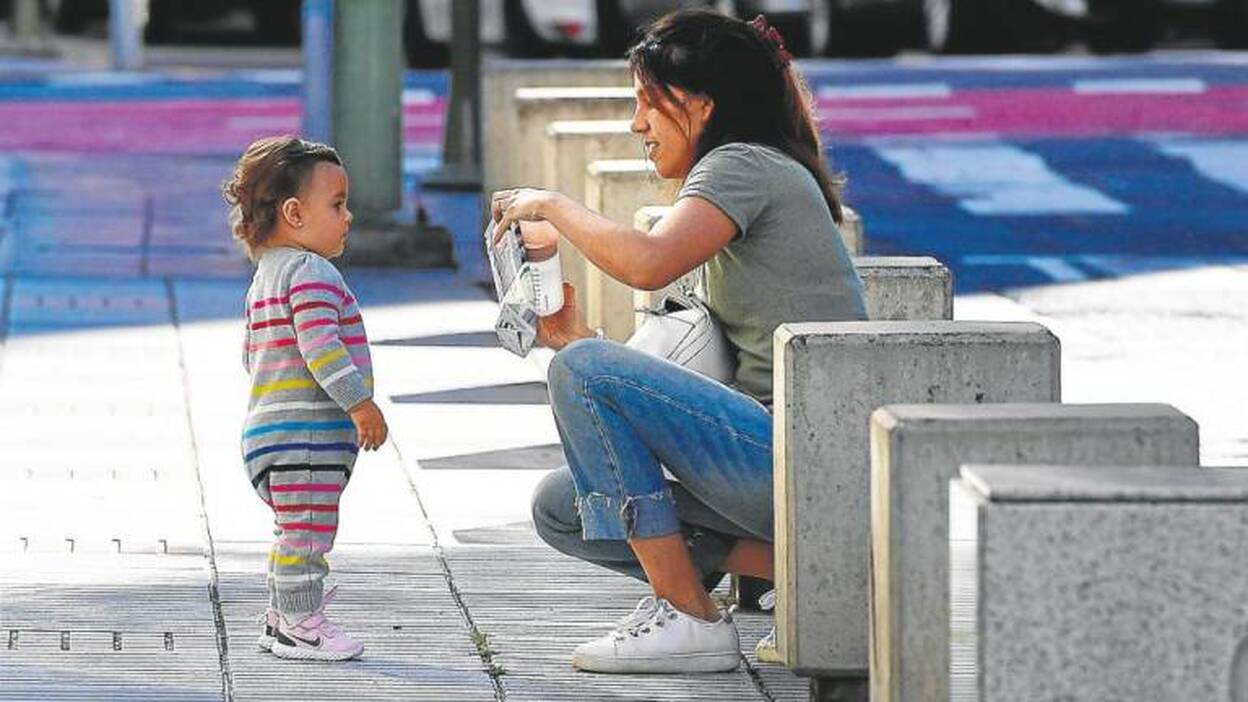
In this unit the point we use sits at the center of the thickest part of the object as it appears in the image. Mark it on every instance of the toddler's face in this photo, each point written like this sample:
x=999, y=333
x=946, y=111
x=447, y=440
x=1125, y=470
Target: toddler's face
x=326, y=218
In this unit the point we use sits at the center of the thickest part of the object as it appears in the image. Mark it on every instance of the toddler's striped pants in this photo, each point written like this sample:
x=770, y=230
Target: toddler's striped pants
x=304, y=499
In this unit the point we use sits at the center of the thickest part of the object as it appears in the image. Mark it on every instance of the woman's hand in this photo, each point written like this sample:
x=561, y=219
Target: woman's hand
x=518, y=205
x=540, y=239
x=565, y=326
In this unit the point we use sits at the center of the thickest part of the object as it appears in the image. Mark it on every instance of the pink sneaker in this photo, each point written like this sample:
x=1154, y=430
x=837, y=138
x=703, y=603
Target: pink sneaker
x=314, y=638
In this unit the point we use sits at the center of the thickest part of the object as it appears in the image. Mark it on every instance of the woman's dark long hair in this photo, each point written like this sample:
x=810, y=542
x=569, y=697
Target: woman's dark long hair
x=759, y=96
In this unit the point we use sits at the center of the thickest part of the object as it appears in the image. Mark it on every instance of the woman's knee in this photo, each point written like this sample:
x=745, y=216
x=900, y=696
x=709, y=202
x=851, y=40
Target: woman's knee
x=573, y=365
x=554, y=506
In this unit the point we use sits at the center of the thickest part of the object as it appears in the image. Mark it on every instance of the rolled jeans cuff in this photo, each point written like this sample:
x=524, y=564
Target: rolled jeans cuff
x=621, y=517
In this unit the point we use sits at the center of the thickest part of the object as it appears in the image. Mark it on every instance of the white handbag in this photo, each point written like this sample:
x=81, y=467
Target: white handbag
x=682, y=329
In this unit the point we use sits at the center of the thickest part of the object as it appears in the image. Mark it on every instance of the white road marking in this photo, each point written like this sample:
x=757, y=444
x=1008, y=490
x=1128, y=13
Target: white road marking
x=1224, y=161
x=997, y=179
x=1140, y=86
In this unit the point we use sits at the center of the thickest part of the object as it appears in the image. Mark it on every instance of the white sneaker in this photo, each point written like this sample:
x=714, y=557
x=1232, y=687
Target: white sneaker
x=665, y=641
x=642, y=612
x=765, y=650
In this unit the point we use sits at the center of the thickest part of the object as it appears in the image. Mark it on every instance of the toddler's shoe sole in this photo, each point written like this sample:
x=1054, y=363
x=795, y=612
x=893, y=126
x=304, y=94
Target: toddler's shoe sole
x=265, y=642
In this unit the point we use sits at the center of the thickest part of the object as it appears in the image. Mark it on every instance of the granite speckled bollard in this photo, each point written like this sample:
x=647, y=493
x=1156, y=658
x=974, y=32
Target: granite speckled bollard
x=1078, y=583
x=916, y=450
x=829, y=378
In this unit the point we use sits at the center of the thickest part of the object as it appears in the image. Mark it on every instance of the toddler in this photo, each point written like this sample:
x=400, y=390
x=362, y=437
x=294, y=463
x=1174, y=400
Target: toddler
x=311, y=407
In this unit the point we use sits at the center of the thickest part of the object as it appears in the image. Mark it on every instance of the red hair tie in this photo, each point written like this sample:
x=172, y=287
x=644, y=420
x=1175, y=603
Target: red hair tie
x=773, y=39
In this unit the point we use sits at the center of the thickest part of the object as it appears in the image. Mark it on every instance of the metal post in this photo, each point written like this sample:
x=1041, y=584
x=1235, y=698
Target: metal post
x=461, y=143
x=318, y=69
x=367, y=102
x=125, y=35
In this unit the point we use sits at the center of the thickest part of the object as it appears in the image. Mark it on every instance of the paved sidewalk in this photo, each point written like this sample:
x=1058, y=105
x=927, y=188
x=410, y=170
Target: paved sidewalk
x=132, y=548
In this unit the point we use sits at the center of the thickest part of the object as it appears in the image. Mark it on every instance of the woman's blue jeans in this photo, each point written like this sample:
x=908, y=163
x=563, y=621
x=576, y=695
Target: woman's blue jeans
x=622, y=415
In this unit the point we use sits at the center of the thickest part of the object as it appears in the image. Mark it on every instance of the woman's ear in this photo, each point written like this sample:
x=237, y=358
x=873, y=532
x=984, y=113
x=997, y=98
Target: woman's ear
x=290, y=212
x=698, y=111
x=707, y=107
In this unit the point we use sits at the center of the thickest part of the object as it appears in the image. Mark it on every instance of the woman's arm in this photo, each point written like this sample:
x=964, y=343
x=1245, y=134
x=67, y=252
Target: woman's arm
x=684, y=239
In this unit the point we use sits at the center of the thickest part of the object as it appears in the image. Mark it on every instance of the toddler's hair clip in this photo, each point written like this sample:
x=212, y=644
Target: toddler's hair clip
x=773, y=39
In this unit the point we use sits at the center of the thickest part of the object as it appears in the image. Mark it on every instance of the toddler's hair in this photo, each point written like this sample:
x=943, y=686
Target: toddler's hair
x=269, y=171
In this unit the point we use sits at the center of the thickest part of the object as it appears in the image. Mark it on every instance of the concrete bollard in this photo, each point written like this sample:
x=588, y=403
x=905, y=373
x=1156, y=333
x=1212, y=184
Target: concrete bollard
x=617, y=189
x=536, y=108
x=916, y=450
x=853, y=231
x=829, y=378
x=1076, y=583
x=905, y=287
x=500, y=78
x=570, y=146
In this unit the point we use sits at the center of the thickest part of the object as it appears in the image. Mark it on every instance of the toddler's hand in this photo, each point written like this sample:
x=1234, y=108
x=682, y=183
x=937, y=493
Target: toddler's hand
x=370, y=425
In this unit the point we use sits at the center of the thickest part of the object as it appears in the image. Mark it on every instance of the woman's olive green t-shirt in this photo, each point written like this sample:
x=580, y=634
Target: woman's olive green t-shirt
x=787, y=262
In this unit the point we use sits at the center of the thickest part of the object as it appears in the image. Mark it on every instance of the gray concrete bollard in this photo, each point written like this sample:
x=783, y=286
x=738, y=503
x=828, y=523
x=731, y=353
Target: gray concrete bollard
x=569, y=148
x=829, y=378
x=617, y=189
x=500, y=78
x=853, y=231
x=905, y=287
x=916, y=450
x=1076, y=583
x=571, y=145
x=536, y=108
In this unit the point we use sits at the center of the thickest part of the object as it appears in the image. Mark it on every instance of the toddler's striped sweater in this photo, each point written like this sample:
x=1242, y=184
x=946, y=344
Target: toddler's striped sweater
x=307, y=354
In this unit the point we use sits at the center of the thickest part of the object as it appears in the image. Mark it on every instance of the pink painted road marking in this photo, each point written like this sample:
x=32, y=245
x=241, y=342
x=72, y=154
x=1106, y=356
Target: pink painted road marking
x=1219, y=110
x=191, y=127
x=225, y=126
